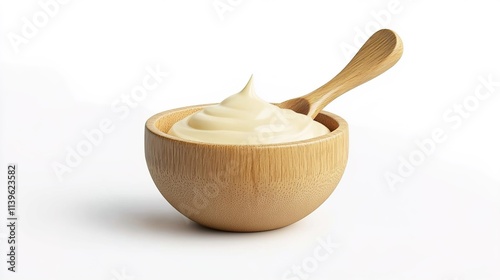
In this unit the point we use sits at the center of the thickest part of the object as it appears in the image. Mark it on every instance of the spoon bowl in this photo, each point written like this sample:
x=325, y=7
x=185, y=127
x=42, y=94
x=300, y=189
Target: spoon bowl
x=262, y=187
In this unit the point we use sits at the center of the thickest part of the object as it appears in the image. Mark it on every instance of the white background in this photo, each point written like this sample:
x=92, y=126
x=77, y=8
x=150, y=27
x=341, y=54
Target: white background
x=106, y=220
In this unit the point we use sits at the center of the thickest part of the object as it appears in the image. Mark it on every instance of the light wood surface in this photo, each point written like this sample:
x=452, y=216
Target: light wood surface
x=245, y=187
x=380, y=52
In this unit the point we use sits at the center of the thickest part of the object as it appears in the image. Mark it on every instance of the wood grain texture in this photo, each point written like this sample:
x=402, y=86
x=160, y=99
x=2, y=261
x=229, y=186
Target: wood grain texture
x=380, y=52
x=245, y=187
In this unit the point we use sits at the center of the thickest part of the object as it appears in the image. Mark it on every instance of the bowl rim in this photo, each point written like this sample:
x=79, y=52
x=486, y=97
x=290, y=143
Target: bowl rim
x=152, y=121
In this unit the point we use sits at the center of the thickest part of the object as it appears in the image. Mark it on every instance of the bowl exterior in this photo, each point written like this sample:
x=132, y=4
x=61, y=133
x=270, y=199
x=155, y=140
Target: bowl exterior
x=245, y=187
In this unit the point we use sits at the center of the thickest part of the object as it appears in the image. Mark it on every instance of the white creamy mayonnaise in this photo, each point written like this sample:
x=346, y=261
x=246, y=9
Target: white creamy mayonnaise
x=245, y=119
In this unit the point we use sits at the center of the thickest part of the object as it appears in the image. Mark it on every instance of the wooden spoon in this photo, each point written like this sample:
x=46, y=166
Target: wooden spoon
x=379, y=53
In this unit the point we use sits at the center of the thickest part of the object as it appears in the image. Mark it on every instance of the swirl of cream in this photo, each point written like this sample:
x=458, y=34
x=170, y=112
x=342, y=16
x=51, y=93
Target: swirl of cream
x=244, y=118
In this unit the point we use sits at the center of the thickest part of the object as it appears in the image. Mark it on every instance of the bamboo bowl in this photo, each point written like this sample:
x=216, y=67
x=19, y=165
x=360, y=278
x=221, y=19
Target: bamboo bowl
x=245, y=188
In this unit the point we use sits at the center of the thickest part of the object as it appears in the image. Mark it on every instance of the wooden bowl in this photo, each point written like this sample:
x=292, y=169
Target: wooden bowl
x=245, y=187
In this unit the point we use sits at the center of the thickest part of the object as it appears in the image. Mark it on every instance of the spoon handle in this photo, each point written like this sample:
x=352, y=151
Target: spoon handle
x=379, y=53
